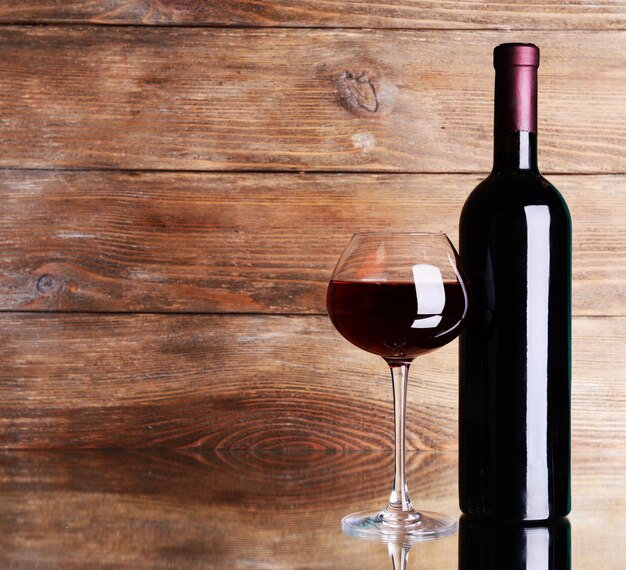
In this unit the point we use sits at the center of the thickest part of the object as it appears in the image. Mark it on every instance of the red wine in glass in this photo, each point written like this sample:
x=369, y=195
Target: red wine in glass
x=384, y=317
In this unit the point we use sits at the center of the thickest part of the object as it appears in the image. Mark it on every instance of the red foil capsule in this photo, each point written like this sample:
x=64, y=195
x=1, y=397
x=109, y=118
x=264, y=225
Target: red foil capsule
x=516, y=87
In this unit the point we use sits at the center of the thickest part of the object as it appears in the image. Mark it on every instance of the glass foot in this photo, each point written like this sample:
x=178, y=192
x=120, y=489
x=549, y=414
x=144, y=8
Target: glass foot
x=387, y=526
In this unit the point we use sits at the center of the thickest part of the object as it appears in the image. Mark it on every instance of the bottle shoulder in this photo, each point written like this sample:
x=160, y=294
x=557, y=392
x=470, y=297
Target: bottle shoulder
x=510, y=192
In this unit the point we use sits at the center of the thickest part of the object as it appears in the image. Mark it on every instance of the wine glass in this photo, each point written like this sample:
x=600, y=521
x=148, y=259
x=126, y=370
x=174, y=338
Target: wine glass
x=398, y=295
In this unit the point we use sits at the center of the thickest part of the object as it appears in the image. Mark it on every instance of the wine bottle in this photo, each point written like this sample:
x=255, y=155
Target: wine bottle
x=514, y=361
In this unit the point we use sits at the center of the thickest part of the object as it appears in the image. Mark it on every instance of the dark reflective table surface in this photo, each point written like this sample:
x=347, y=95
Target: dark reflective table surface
x=244, y=509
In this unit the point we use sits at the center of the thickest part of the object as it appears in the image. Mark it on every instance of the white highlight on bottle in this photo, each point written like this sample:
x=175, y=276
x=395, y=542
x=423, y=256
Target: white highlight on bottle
x=538, y=287
x=537, y=548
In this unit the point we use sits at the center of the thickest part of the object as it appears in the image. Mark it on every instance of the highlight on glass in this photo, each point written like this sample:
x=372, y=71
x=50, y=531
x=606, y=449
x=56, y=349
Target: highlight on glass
x=398, y=295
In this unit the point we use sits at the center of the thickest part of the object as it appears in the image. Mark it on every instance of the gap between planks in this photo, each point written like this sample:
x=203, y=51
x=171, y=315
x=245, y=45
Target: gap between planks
x=295, y=172
x=211, y=314
x=217, y=26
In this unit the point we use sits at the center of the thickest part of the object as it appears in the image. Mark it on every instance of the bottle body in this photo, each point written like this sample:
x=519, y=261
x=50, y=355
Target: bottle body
x=515, y=356
x=514, y=401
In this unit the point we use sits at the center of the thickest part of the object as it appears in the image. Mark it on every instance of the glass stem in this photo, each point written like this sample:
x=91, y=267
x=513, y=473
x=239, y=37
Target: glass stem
x=399, y=500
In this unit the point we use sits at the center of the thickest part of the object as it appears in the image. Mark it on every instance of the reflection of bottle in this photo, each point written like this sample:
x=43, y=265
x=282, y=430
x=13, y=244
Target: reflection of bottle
x=489, y=545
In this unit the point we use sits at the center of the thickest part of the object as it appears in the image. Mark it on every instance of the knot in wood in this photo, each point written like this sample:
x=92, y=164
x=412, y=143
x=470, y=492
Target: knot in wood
x=48, y=284
x=356, y=92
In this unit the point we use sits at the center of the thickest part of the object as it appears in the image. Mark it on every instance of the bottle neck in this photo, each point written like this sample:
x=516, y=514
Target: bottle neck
x=515, y=151
x=515, y=118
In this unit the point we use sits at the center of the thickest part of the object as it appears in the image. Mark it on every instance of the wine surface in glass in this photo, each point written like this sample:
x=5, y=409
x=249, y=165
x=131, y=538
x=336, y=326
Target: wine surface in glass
x=387, y=318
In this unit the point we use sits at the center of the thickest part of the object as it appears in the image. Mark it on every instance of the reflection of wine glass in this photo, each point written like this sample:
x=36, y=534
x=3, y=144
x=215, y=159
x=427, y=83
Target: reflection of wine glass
x=398, y=295
x=399, y=554
x=492, y=545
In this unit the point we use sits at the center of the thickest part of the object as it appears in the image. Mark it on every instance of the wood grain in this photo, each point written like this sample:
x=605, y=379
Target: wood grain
x=252, y=510
x=227, y=511
x=168, y=242
x=538, y=14
x=222, y=99
x=252, y=382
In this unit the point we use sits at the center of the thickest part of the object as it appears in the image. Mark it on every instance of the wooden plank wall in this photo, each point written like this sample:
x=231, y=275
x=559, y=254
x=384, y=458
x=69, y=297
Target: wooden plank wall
x=178, y=178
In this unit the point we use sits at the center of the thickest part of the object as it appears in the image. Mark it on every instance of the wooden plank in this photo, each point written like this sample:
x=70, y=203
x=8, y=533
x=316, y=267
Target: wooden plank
x=167, y=242
x=538, y=14
x=159, y=510
x=251, y=382
x=223, y=99
x=219, y=511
